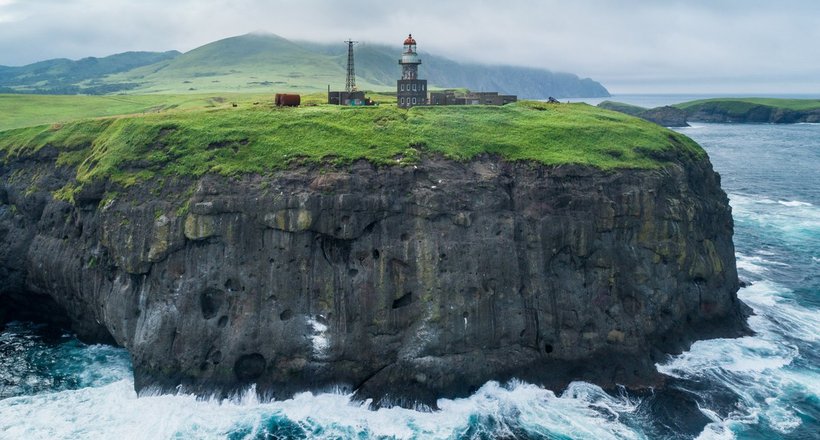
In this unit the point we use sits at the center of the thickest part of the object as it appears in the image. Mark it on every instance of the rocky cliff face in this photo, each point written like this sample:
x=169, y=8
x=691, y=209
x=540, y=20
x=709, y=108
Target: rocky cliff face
x=403, y=283
x=718, y=113
x=666, y=116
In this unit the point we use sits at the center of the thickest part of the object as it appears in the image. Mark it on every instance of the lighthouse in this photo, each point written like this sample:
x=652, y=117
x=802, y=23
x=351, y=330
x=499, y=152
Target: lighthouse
x=410, y=90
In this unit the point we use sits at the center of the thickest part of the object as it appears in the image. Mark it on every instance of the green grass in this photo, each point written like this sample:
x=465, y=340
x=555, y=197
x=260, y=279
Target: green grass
x=743, y=105
x=260, y=138
x=249, y=63
x=629, y=109
x=18, y=111
x=26, y=110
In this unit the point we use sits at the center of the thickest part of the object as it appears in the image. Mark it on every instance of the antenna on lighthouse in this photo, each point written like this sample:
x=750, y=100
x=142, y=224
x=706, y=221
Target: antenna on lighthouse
x=350, y=84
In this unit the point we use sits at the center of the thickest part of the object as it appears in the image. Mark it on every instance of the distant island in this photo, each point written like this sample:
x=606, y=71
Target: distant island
x=255, y=63
x=732, y=110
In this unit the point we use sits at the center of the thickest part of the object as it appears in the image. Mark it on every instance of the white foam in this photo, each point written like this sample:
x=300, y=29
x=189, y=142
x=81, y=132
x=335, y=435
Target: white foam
x=319, y=337
x=750, y=264
x=793, y=203
x=790, y=216
x=755, y=368
x=778, y=314
x=115, y=411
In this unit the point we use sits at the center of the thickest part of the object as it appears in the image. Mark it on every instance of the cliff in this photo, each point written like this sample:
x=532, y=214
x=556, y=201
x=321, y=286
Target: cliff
x=725, y=110
x=665, y=116
x=404, y=282
x=753, y=110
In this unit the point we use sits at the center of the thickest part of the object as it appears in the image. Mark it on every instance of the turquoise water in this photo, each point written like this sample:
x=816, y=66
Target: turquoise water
x=765, y=386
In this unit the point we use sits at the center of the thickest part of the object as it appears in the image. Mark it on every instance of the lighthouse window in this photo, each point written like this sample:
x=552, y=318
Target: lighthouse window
x=402, y=100
x=414, y=100
x=402, y=87
x=414, y=87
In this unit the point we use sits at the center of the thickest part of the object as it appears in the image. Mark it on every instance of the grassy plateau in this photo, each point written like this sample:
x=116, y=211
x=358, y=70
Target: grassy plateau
x=743, y=105
x=256, y=137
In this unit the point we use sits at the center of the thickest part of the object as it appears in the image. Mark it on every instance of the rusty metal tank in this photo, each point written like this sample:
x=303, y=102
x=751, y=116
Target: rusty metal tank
x=286, y=100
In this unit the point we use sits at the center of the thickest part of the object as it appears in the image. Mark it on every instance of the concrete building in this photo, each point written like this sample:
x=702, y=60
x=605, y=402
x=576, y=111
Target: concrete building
x=351, y=95
x=347, y=98
x=446, y=97
x=410, y=90
x=451, y=97
x=489, y=98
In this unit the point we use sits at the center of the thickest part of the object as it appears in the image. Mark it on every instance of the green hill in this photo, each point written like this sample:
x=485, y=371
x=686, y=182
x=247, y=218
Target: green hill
x=378, y=65
x=266, y=62
x=622, y=107
x=63, y=76
x=246, y=63
x=740, y=105
x=752, y=110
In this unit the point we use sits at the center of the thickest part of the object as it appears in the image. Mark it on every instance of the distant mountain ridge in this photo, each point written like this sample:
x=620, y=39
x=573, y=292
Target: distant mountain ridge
x=258, y=62
x=64, y=76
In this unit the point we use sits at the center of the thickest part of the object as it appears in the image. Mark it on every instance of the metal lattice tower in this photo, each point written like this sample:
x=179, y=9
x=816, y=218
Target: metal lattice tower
x=350, y=84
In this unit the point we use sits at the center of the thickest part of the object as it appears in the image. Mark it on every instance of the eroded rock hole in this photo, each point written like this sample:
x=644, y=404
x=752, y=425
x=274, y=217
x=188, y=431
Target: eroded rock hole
x=249, y=367
x=287, y=314
x=215, y=357
x=223, y=321
x=548, y=348
x=232, y=285
x=376, y=254
x=405, y=300
x=210, y=301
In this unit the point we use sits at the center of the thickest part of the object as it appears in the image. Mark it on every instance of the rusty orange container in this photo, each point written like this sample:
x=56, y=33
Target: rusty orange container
x=285, y=100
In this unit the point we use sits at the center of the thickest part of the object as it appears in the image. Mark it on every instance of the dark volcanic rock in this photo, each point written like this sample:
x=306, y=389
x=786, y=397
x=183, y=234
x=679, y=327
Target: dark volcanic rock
x=403, y=283
x=666, y=116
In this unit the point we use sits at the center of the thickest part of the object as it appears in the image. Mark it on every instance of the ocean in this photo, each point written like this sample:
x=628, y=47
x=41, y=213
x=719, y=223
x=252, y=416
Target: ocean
x=765, y=386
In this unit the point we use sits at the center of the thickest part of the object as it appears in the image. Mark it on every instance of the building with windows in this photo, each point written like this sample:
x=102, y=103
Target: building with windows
x=410, y=90
x=451, y=97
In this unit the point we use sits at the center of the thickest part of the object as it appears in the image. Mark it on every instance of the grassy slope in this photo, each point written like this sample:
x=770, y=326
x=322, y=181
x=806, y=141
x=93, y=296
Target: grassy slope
x=259, y=138
x=246, y=63
x=259, y=63
x=743, y=105
x=26, y=110
x=629, y=109
x=62, y=75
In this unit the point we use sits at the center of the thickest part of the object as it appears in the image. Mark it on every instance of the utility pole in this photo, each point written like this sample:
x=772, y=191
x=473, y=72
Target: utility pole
x=350, y=85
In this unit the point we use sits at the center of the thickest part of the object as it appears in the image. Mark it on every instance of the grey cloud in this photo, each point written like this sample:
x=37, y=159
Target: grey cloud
x=629, y=45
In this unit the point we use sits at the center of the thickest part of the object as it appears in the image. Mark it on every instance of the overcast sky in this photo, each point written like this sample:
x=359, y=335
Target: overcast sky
x=631, y=46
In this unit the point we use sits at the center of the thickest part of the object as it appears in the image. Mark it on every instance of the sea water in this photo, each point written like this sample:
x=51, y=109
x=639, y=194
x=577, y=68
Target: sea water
x=765, y=386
